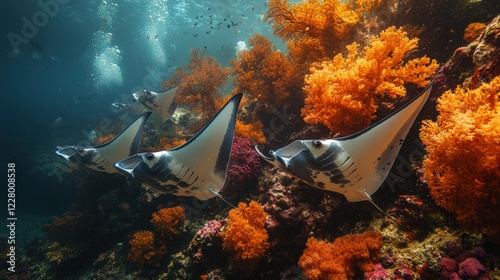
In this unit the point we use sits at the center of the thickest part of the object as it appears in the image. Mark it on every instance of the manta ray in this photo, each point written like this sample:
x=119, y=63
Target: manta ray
x=102, y=158
x=198, y=167
x=161, y=103
x=354, y=165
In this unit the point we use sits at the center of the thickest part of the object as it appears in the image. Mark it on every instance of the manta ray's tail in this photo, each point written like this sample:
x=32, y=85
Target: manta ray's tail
x=383, y=212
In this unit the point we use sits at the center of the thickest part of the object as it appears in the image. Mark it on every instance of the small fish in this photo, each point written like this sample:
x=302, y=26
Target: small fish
x=156, y=36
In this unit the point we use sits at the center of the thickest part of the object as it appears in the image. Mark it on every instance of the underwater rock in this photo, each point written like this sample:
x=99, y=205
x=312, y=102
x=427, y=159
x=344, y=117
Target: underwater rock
x=474, y=64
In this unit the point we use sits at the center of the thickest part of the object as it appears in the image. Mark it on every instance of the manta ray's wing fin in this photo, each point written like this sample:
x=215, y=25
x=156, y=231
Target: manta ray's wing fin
x=159, y=102
x=374, y=149
x=122, y=146
x=208, y=152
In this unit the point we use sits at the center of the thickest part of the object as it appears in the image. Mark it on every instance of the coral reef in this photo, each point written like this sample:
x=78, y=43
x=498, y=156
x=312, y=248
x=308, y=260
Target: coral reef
x=244, y=167
x=168, y=221
x=344, y=93
x=462, y=165
x=117, y=229
x=342, y=258
x=245, y=237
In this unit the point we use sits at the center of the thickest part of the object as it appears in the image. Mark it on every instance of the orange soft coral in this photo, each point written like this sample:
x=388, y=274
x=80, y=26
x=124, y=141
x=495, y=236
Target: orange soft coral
x=251, y=131
x=245, y=236
x=262, y=72
x=167, y=143
x=342, y=258
x=143, y=251
x=105, y=138
x=168, y=221
x=326, y=22
x=462, y=167
x=473, y=30
x=200, y=84
x=343, y=93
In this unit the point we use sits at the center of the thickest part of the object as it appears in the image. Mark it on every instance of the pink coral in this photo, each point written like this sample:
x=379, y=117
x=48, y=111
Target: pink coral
x=244, y=166
x=448, y=267
x=471, y=268
x=377, y=273
x=211, y=228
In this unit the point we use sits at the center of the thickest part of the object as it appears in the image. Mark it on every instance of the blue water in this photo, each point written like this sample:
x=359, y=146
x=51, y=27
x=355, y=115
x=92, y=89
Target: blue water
x=64, y=62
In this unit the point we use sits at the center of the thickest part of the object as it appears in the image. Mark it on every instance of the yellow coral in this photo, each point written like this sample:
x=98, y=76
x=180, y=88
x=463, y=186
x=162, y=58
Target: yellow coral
x=343, y=93
x=462, y=167
x=60, y=253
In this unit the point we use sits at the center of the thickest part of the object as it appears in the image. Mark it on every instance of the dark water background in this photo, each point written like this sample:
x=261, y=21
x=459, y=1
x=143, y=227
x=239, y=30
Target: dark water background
x=58, y=83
